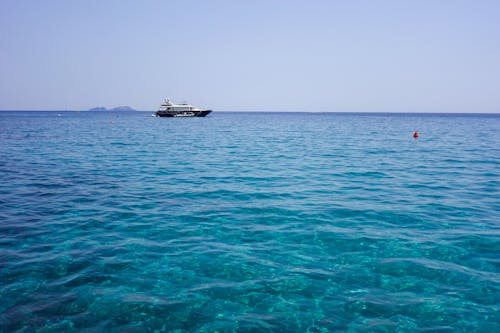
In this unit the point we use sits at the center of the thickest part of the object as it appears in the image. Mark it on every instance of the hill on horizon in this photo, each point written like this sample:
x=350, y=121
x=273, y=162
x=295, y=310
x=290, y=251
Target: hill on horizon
x=118, y=108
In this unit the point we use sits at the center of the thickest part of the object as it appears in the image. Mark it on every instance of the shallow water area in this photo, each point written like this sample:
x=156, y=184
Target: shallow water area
x=245, y=222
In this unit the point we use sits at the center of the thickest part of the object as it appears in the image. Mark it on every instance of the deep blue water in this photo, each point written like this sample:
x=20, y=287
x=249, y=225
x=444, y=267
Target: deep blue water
x=249, y=222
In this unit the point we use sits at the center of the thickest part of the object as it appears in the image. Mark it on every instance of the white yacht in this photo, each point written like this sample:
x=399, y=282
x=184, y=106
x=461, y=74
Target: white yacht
x=169, y=109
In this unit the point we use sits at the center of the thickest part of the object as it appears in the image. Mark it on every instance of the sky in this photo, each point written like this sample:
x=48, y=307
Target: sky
x=269, y=55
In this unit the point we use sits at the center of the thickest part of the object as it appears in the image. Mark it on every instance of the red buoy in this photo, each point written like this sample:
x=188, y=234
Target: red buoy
x=415, y=135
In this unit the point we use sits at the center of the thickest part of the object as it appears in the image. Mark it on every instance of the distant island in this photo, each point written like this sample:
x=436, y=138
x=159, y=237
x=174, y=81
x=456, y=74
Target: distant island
x=118, y=108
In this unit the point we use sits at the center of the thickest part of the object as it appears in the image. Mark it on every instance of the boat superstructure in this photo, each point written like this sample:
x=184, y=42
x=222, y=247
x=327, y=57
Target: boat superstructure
x=170, y=109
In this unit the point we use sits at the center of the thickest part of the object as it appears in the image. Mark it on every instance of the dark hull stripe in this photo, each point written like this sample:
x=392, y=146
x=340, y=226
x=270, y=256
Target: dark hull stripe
x=186, y=113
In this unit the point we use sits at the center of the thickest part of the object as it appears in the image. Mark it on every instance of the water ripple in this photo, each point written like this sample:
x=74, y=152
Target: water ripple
x=249, y=222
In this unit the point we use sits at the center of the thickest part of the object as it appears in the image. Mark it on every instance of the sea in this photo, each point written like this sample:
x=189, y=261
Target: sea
x=249, y=222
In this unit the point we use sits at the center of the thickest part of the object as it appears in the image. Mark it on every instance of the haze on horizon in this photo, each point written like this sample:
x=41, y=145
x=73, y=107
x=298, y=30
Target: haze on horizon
x=318, y=55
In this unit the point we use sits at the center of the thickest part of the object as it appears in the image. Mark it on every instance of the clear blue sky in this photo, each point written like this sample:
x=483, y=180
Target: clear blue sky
x=394, y=56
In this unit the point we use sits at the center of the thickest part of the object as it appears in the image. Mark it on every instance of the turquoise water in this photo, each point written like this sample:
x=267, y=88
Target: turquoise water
x=249, y=223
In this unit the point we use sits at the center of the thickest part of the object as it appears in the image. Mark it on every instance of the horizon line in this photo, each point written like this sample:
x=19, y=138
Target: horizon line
x=267, y=111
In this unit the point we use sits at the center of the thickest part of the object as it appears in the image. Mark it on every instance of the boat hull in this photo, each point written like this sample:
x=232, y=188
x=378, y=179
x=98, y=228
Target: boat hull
x=171, y=114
